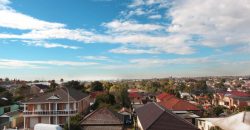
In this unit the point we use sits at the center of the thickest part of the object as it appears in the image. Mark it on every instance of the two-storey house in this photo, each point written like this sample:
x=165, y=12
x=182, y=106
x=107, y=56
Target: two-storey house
x=55, y=107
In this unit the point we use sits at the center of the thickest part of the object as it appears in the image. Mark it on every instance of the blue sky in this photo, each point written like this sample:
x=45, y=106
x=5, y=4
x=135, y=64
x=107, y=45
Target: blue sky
x=117, y=39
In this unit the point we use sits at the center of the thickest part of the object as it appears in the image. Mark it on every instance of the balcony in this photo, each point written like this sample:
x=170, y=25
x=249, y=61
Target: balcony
x=53, y=112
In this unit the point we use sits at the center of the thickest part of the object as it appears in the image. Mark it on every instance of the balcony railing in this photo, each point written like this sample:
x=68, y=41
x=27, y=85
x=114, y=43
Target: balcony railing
x=53, y=112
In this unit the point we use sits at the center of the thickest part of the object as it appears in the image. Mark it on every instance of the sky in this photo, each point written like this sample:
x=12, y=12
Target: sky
x=123, y=39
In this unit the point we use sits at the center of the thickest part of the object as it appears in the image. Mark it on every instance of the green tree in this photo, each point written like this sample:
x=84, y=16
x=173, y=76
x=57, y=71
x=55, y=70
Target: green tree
x=96, y=86
x=153, y=86
x=107, y=86
x=125, y=101
x=74, y=84
x=2, y=89
x=108, y=99
x=75, y=123
x=247, y=108
x=217, y=110
x=53, y=85
x=6, y=98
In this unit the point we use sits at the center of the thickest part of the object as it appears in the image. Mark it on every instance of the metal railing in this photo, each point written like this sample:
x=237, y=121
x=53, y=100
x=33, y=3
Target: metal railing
x=52, y=112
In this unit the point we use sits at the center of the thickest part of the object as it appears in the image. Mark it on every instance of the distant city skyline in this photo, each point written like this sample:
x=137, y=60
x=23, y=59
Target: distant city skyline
x=123, y=39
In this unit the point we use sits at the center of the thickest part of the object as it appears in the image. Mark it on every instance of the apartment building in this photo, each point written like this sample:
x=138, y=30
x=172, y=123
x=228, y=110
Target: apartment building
x=55, y=107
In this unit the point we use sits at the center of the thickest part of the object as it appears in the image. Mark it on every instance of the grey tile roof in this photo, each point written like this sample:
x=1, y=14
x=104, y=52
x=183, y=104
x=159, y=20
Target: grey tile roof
x=154, y=117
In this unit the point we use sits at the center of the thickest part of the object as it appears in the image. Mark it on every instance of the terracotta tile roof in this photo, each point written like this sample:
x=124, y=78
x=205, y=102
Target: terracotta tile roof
x=154, y=117
x=234, y=93
x=96, y=93
x=164, y=96
x=239, y=94
x=134, y=95
x=176, y=104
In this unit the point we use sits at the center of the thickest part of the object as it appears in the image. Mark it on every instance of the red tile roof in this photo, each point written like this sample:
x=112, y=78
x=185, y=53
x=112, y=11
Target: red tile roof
x=239, y=94
x=134, y=95
x=175, y=104
x=96, y=93
x=164, y=96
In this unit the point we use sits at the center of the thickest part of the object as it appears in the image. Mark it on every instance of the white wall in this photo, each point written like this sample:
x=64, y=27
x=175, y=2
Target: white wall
x=204, y=125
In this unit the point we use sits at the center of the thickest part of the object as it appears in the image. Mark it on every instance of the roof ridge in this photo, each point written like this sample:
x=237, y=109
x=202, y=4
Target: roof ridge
x=68, y=93
x=159, y=106
x=176, y=116
x=90, y=114
x=158, y=116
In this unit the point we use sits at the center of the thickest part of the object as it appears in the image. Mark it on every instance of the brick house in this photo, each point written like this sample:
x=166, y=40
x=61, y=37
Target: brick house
x=54, y=107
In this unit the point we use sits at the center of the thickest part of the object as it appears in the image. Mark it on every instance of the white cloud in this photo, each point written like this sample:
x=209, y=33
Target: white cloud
x=9, y=18
x=4, y=3
x=125, y=50
x=131, y=26
x=120, y=32
x=60, y=33
x=48, y=45
x=13, y=64
x=136, y=3
x=157, y=16
x=153, y=61
x=137, y=12
x=219, y=23
x=215, y=22
x=243, y=49
x=100, y=58
x=176, y=44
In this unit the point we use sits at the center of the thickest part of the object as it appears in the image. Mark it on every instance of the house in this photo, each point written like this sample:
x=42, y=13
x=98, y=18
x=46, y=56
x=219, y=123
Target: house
x=38, y=88
x=93, y=96
x=163, y=97
x=11, y=119
x=173, y=103
x=185, y=95
x=102, y=119
x=232, y=99
x=135, y=98
x=240, y=121
x=205, y=123
x=182, y=108
x=127, y=115
x=152, y=116
x=10, y=108
x=55, y=107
